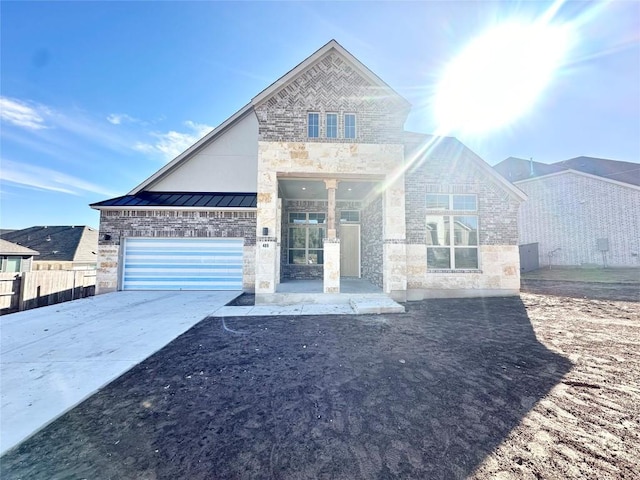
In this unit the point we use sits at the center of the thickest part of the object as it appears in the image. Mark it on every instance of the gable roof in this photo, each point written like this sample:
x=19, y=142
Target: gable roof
x=266, y=93
x=518, y=169
x=579, y=173
x=515, y=169
x=195, y=200
x=451, y=147
x=62, y=243
x=625, y=172
x=10, y=248
x=313, y=58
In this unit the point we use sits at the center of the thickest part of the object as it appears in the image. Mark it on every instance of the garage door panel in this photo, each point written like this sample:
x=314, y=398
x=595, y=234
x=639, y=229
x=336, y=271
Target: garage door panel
x=183, y=264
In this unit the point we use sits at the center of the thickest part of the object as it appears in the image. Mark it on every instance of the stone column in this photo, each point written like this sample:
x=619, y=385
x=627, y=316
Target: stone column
x=331, y=185
x=266, y=245
x=395, y=241
x=331, y=269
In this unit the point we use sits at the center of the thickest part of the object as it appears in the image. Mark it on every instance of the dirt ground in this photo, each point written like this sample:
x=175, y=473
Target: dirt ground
x=540, y=386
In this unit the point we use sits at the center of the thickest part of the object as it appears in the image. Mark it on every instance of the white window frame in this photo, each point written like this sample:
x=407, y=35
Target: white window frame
x=310, y=125
x=451, y=201
x=449, y=214
x=355, y=126
x=336, y=126
x=307, y=224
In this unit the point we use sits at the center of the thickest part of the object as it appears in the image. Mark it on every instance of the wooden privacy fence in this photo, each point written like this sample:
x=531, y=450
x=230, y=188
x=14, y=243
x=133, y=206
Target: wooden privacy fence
x=26, y=290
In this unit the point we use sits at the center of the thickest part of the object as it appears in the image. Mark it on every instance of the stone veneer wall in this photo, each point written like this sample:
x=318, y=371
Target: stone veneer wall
x=306, y=272
x=372, y=241
x=178, y=223
x=332, y=85
x=499, y=271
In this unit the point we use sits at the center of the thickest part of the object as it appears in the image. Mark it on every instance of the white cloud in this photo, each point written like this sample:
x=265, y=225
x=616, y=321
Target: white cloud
x=23, y=114
x=118, y=118
x=42, y=178
x=172, y=143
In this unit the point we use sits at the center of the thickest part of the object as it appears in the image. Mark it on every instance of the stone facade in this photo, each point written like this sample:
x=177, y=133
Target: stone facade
x=568, y=212
x=116, y=225
x=318, y=160
x=372, y=241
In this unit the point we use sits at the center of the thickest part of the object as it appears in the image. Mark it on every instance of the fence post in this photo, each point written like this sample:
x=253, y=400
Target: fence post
x=22, y=291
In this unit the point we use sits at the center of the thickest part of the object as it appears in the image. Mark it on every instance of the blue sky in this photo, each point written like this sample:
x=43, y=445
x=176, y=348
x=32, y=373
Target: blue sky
x=97, y=96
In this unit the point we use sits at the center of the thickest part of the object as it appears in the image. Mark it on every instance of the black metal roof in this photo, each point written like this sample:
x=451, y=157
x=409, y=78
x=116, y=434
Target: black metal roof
x=182, y=199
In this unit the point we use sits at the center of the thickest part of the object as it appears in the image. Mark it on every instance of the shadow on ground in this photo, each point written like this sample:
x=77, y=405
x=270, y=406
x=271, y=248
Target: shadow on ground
x=426, y=394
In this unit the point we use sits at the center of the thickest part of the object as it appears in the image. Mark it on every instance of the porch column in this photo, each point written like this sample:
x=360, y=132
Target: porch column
x=331, y=269
x=267, y=234
x=395, y=243
x=331, y=185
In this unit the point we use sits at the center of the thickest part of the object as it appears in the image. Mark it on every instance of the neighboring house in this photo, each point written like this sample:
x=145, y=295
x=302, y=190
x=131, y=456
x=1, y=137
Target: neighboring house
x=60, y=247
x=15, y=258
x=316, y=178
x=582, y=211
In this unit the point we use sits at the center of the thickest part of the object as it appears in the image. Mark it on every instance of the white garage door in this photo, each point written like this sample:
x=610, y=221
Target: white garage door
x=182, y=264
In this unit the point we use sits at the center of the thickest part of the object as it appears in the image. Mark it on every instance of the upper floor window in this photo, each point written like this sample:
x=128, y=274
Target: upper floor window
x=332, y=125
x=440, y=201
x=349, y=125
x=313, y=125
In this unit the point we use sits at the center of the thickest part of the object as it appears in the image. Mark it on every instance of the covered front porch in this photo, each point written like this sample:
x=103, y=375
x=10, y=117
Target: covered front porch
x=329, y=212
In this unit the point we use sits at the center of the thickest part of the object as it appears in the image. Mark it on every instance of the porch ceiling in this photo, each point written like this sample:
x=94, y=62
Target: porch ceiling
x=314, y=189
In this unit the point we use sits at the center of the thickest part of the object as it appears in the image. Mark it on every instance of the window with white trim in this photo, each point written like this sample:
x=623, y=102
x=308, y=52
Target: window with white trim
x=350, y=216
x=332, y=125
x=455, y=202
x=306, y=235
x=313, y=125
x=452, y=240
x=349, y=125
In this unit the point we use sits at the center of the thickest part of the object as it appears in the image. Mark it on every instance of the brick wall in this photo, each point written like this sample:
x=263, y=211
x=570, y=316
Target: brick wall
x=497, y=210
x=331, y=85
x=453, y=172
x=120, y=224
x=570, y=211
x=176, y=223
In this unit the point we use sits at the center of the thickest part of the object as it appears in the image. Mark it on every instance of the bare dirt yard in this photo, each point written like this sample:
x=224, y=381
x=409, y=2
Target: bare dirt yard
x=540, y=387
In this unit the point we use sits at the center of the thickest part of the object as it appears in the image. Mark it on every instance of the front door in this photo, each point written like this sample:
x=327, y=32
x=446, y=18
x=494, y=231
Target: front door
x=349, y=250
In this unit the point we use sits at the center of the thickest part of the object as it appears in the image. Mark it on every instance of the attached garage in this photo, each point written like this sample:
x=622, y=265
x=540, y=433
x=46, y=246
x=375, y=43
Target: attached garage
x=182, y=264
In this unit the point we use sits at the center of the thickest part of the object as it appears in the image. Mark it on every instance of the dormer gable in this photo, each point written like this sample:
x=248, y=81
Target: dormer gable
x=331, y=87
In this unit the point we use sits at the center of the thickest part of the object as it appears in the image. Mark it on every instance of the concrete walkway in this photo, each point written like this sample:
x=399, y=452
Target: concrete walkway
x=54, y=357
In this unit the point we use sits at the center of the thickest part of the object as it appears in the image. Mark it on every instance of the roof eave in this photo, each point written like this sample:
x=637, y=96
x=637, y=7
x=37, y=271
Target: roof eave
x=578, y=172
x=180, y=207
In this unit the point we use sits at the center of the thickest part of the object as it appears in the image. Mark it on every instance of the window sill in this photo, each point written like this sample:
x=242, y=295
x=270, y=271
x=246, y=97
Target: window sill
x=450, y=270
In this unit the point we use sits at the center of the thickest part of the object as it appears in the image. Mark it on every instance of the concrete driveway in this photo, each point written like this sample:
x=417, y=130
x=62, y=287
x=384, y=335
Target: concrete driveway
x=54, y=357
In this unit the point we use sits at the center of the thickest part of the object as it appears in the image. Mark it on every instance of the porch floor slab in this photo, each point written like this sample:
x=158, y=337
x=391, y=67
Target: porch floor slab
x=347, y=285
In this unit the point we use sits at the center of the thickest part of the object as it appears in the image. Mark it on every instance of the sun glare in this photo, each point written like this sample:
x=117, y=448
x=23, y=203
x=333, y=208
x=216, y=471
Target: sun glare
x=499, y=76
